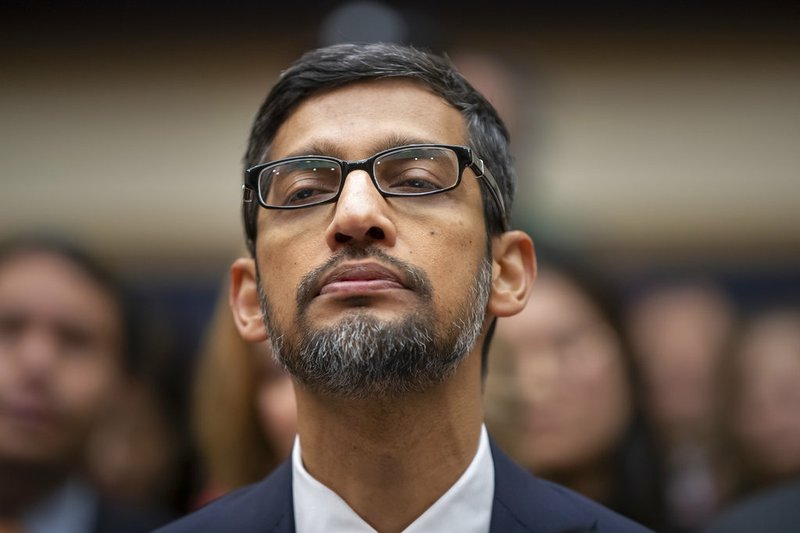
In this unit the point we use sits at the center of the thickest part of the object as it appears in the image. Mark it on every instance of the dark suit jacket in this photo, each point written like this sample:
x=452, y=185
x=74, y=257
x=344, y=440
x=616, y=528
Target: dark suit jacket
x=113, y=518
x=776, y=510
x=522, y=502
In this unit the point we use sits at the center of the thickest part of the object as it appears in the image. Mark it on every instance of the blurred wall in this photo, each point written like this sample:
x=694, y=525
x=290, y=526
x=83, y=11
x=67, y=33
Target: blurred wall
x=134, y=145
x=652, y=131
x=649, y=145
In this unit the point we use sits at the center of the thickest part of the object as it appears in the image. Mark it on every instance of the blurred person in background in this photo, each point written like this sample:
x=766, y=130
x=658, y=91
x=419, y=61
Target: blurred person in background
x=63, y=353
x=245, y=416
x=136, y=455
x=760, y=415
x=141, y=453
x=680, y=329
x=562, y=395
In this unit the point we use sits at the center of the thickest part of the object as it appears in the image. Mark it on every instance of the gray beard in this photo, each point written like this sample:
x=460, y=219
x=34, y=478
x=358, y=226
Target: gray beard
x=362, y=356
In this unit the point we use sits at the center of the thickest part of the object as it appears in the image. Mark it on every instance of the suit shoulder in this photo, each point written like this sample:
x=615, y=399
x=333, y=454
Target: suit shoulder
x=114, y=518
x=776, y=509
x=572, y=503
x=524, y=502
x=263, y=506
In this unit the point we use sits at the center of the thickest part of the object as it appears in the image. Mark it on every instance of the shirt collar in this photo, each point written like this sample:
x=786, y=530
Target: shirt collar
x=466, y=506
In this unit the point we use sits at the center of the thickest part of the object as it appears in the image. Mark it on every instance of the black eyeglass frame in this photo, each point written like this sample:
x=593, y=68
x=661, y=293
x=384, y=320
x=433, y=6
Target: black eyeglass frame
x=467, y=158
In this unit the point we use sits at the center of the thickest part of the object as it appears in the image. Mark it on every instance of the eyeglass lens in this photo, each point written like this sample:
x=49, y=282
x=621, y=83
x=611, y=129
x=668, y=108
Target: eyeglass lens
x=404, y=172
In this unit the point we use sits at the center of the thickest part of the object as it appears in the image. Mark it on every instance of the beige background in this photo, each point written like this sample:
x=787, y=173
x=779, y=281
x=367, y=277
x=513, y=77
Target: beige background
x=639, y=143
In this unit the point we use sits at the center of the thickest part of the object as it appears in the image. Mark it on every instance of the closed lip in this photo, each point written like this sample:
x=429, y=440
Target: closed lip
x=361, y=276
x=30, y=411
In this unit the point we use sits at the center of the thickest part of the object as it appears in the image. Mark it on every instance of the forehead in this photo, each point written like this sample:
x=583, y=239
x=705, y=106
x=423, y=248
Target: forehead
x=53, y=288
x=358, y=119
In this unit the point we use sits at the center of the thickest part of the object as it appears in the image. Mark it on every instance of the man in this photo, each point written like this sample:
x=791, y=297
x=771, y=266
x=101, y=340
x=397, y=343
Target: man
x=62, y=338
x=376, y=210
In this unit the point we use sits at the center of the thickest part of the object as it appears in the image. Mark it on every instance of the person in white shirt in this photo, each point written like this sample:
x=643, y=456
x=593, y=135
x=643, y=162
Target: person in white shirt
x=376, y=207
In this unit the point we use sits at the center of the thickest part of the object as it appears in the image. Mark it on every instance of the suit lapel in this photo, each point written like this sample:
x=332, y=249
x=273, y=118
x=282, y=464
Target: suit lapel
x=524, y=503
x=266, y=507
x=278, y=500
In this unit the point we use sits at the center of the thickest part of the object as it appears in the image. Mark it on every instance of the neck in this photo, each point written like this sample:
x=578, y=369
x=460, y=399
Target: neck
x=23, y=485
x=392, y=458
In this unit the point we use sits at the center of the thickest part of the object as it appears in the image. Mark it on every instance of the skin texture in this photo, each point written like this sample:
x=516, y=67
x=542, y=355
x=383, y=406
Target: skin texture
x=59, y=362
x=388, y=458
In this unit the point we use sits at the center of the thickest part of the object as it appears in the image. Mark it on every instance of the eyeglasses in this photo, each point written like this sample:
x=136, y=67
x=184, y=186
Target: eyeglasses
x=406, y=171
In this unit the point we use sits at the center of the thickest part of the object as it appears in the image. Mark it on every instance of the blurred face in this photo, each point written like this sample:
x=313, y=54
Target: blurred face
x=679, y=336
x=59, y=357
x=133, y=454
x=570, y=376
x=768, y=418
x=373, y=294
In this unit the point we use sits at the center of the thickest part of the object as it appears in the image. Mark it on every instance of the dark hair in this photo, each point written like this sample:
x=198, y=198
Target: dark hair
x=338, y=65
x=92, y=268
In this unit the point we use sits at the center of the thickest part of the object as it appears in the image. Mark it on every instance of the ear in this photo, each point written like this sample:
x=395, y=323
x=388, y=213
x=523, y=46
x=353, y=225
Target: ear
x=513, y=273
x=244, y=301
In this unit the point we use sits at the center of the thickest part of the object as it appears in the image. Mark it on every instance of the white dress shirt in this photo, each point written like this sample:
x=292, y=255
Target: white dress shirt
x=465, y=507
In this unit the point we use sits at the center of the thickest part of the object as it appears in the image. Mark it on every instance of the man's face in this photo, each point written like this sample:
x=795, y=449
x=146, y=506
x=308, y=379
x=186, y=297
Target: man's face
x=368, y=262
x=59, y=356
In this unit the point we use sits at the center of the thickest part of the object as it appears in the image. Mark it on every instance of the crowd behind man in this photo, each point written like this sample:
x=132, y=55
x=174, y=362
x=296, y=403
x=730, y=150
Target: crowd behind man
x=669, y=406
x=751, y=417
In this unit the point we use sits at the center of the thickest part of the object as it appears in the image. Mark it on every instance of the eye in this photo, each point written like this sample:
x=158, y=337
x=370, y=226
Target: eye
x=304, y=196
x=76, y=340
x=11, y=326
x=415, y=171
x=302, y=183
x=408, y=182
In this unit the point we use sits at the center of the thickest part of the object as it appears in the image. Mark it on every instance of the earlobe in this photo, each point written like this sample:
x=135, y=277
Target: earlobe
x=513, y=273
x=244, y=301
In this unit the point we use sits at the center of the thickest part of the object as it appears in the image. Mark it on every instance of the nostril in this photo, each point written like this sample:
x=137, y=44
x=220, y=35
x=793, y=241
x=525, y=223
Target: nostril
x=342, y=238
x=376, y=233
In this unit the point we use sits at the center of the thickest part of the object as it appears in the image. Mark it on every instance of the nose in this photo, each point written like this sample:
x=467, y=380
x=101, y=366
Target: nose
x=361, y=216
x=38, y=351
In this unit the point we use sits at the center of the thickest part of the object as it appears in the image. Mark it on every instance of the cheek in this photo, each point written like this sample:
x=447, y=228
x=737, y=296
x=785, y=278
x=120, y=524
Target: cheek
x=279, y=285
x=7, y=370
x=282, y=264
x=86, y=385
x=604, y=388
x=591, y=398
x=452, y=274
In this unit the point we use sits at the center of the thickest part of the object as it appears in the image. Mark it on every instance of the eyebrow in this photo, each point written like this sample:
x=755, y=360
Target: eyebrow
x=331, y=149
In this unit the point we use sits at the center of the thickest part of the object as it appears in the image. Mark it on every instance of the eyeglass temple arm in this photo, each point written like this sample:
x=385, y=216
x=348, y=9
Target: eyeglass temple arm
x=247, y=193
x=482, y=172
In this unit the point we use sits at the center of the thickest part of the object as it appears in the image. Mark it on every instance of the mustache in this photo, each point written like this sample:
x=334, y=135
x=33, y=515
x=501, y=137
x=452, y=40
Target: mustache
x=414, y=278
